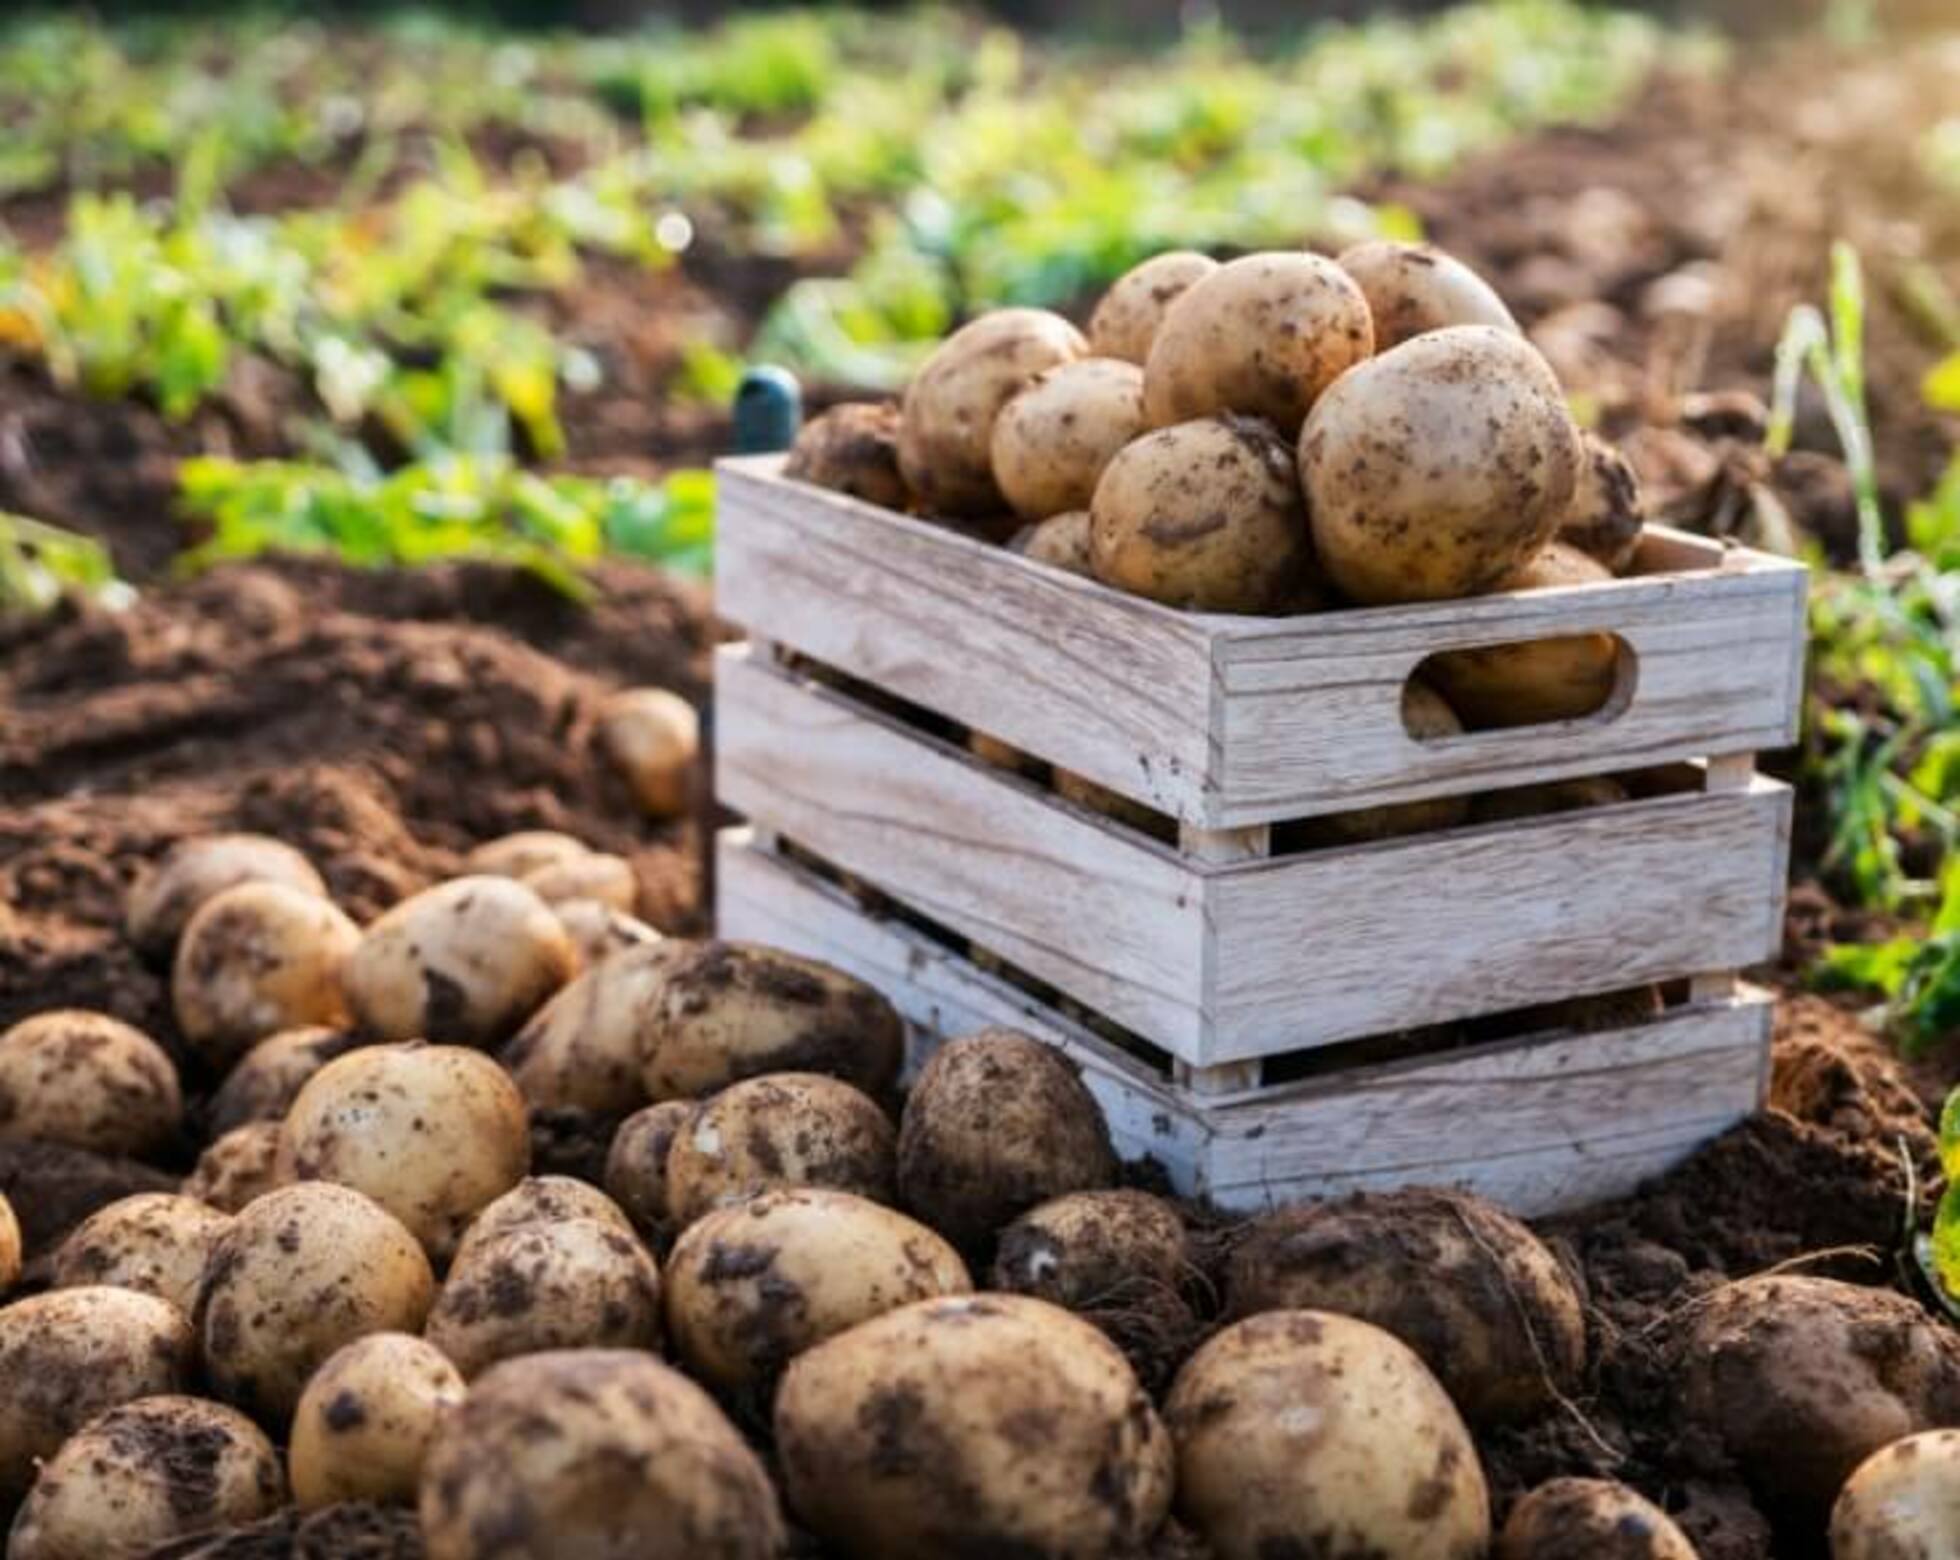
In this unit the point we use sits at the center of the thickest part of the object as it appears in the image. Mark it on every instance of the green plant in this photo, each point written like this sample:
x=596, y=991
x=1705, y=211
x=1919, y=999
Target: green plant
x=40, y=563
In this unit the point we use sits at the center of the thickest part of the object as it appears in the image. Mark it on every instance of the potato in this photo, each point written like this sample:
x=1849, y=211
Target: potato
x=463, y=963
x=268, y=1077
x=194, y=870
x=729, y=1011
x=541, y=1199
x=946, y=424
x=1425, y=715
x=87, y=1080
x=562, y=1284
x=1061, y=541
x=1552, y=796
x=1437, y=469
x=1801, y=1379
x=10, y=1247
x=366, y=1419
x=153, y=1243
x=1531, y=681
x=529, y=850
x=1595, y=1518
x=594, y=1453
x=1004, y=755
x=1084, y=792
x=997, y=1123
x=1457, y=1279
x=653, y=738
x=143, y=1474
x=982, y=1424
x=257, y=959
x=750, y=1287
x=1126, y=321
x=236, y=1168
x=782, y=1129
x=598, y=930
x=587, y=1047
x=1307, y=1433
x=852, y=449
x=1412, y=288
x=303, y=1270
x=636, y=1164
x=595, y=875
x=1052, y=440
x=1902, y=1503
x=431, y=1132
x=69, y=1355
x=1605, y=519
x=1204, y=515
x=1263, y=336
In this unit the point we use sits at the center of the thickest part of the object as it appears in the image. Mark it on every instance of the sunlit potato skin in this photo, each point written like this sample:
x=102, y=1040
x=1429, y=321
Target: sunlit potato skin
x=194, y=870
x=1127, y=318
x=87, y=1080
x=255, y=960
x=236, y=1168
x=1595, y=1518
x=540, y=1199
x=1412, y=288
x=366, y=1419
x=1902, y=1503
x=1051, y=442
x=154, y=1243
x=262, y=1085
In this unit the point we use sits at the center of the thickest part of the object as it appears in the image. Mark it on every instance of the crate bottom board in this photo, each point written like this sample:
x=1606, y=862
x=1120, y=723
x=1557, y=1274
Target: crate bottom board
x=1540, y=1125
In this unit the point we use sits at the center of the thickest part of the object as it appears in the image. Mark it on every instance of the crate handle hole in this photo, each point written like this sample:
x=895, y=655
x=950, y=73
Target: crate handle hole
x=1521, y=683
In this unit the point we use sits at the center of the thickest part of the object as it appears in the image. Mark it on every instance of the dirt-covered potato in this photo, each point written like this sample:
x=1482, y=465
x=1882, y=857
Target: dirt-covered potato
x=463, y=963
x=1126, y=320
x=1534, y=680
x=997, y=1123
x=268, y=1077
x=236, y=1168
x=71, y=1354
x=1552, y=796
x=1307, y=1433
x=10, y=1247
x=1052, y=440
x=981, y=1424
x=946, y=424
x=1061, y=541
x=729, y=1011
x=1469, y=1288
x=302, y=1271
x=87, y=1080
x=750, y=1287
x=1605, y=519
x=541, y=1199
x=366, y=1419
x=143, y=1474
x=257, y=959
x=194, y=870
x=153, y=1243
x=529, y=850
x=596, y=1453
x=587, y=1047
x=595, y=875
x=1594, y=1518
x=561, y=1284
x=1263, y=336
x=1412, y=288
x=1801, y=1379
x=1426, y=715
x=782, y=1129
x=598, y=931
x=852, y=449
x=1902, y=1503
x=1435, y=470
x=636, y=1164
x=431, y=1132
x=1204, y=515
x=653, y=738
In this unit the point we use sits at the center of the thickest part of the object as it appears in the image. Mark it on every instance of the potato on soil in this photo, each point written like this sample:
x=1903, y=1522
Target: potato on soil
x=366, y=1419
x=1536, y=680
x=1801, y=1379
x=598, y=930
x=463, y=963
x=729, y=1011
x=1308, y=1433
x=946, y=424
x=257, y=959
x=68, y=1355
x=87, y=1080
x=1605, y=520
x=595, y=875
x=636, y=1164
x=750, y=1287
x=1478, y=1296
x=268, y=1077
x=852, y=449
x=990, y=1424
x=596, y=1453
x=302, y=1271
x=1126, y=321
x=782, y=1129
x=431, y=1132
x=1052, y=441
x=587, y=1047
x=10, y=1247
x=997, y=1123
x=1061, y=541
x=236, y=1168
x=194, y=870
x=1437, y=469
x=143, y=1474
x=529, y=850
x=564, y=1284
x=153, y=1243
x=1426, y=715
x=1412, y=288
x=1263, y=335
x=1902, y=1503
x=653, y=738
x=1594, y=1518
x=1204, y=515
x=541, y=1199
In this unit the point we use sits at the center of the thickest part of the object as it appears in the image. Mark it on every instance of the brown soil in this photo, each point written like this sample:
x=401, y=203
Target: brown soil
x=348, y=1532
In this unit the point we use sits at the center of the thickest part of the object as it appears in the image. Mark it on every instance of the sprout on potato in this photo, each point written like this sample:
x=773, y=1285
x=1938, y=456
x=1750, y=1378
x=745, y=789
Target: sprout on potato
x=587, y=1047
x=1595, y=1518
x=1412, y=288
x=266, y=1080
x=87, y=1080
x=194, y=870
x=852, y=449
x=653, y=738
x=154, y=1243
x=1128, y=317
x=636, y=1164
x=1051, y=442
x=1902, y=1503
x=366, y=1419
x=257, y=959
x=236, y=1168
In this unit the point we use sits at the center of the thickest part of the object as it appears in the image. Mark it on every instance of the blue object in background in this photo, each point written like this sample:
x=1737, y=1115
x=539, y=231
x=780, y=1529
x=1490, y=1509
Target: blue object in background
x=768, y=411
